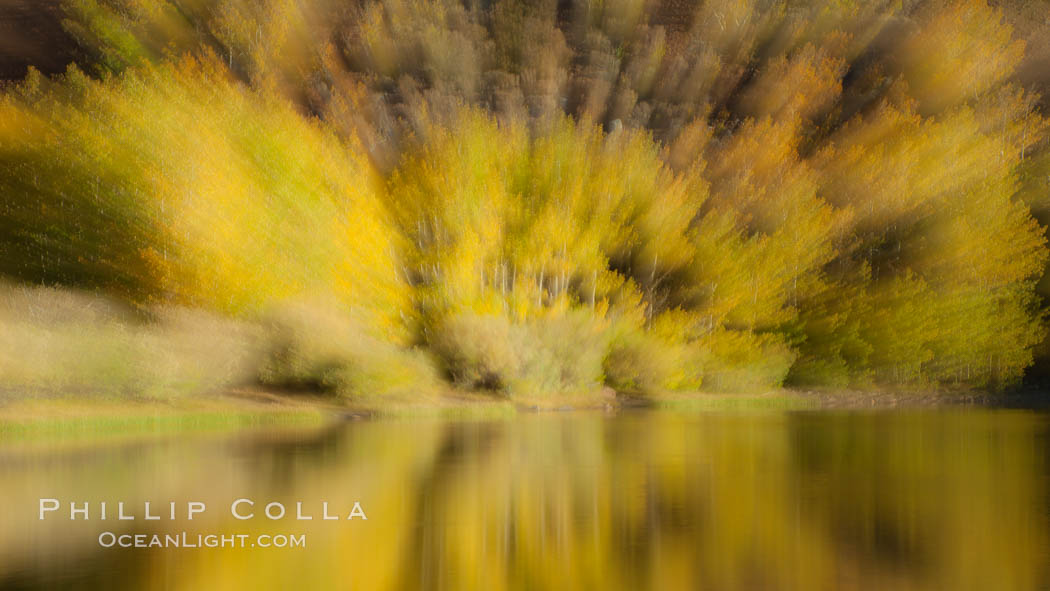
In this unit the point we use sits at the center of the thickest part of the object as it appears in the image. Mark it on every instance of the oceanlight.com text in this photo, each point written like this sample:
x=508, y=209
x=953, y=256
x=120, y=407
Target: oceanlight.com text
x=187, y=540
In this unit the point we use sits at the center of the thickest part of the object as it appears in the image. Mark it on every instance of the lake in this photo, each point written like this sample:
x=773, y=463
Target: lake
x=890, y=499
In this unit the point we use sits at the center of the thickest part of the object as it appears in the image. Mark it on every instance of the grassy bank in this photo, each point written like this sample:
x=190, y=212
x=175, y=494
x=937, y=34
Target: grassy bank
x=459, y=404
x=775, y=400
x=77, y=419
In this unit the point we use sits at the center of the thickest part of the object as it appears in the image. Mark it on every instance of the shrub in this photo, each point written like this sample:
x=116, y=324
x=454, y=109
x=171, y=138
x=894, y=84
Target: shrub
x=642, y=363
x=739, y=361
x=63, y=342
x=560, y=353
x=320, y=347
x=479, y=352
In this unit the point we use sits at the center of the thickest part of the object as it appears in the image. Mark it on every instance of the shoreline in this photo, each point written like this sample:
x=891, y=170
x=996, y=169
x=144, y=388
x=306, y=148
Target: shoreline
x=64, y=419
x=67, y=418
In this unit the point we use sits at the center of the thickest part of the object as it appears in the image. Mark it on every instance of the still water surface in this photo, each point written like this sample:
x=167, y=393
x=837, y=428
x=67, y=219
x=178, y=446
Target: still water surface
x=953, y=499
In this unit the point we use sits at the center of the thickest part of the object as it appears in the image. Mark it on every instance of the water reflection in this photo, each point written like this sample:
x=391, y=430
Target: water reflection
x=916, y=500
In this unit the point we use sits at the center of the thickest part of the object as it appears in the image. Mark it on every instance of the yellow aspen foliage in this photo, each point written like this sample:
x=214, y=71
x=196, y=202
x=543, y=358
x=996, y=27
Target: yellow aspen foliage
x=720, y=195
x=960, y=50
x=227, y=198
x=515, y=230
x=783, y=229
x=499, y=218
x=799, y=86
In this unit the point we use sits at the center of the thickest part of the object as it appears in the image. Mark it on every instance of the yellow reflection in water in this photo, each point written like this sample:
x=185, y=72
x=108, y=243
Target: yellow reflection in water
x=919, y=500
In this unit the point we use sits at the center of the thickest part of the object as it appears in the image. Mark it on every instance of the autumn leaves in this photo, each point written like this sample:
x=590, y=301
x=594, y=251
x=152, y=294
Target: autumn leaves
x=540, y=198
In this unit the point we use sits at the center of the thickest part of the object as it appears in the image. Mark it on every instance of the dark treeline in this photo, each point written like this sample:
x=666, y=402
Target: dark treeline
x=551, y=196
